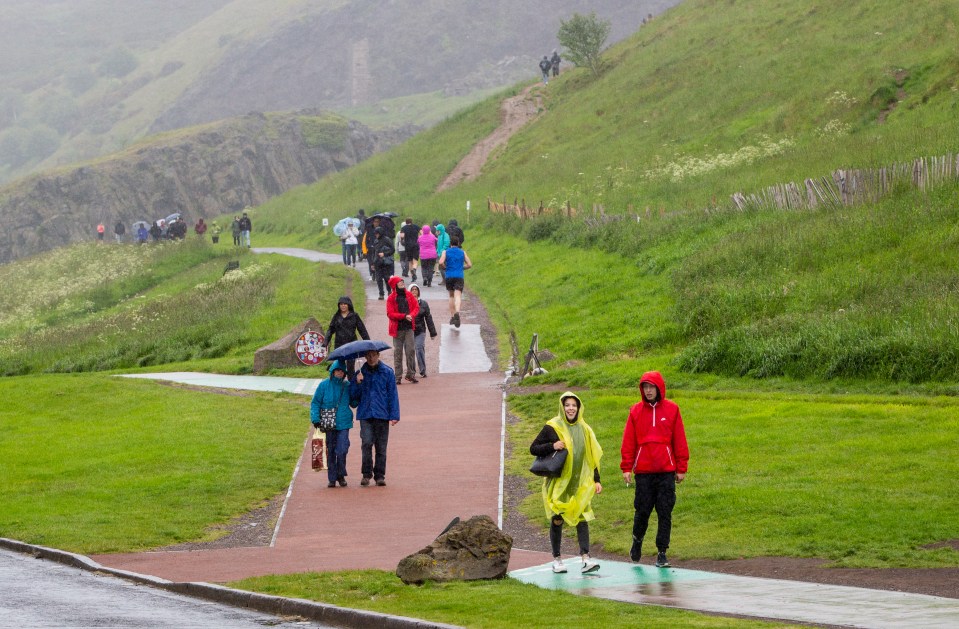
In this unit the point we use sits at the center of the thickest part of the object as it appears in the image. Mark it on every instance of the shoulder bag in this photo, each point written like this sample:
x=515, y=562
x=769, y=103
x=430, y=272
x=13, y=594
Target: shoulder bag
x=550, y=465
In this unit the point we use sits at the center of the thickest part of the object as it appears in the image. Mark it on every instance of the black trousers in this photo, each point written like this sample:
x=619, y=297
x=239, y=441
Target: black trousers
x=654, y=491
x=556, y=535
x=374, y=434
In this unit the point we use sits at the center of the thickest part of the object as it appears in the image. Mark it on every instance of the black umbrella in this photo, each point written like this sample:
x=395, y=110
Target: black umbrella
x=356, y=349
x=386, y=222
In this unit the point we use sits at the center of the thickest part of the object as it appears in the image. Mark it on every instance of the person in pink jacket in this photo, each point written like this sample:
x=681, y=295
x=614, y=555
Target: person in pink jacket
x=655, y=452
x=428, y=254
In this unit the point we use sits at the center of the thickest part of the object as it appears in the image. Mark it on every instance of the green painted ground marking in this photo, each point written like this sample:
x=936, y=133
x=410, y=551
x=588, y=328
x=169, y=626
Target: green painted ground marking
x=611, y=574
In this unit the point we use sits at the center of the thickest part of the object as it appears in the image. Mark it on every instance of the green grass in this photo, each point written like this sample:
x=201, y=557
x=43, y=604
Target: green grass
x=100, y=464
x=863, y=481
x=169, y=304
x=504, y=603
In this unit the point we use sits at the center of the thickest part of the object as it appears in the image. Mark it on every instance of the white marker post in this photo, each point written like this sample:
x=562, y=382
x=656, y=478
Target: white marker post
x=467, y=212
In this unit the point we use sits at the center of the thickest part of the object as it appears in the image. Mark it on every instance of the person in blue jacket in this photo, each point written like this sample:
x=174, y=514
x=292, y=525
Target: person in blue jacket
x=334, y=392
x=378, y=408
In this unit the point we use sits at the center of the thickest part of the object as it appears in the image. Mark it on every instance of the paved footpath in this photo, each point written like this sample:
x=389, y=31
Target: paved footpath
x=444, y=461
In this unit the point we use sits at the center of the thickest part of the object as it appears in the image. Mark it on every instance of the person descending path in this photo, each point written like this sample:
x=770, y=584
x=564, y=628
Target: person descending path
x=655, y=451
x=334, y=393
x=402, y=309
x=456, y=262
x=378, y=408
x=424, y=322
x=343, y=328
x=544, y=66
x=568, y=497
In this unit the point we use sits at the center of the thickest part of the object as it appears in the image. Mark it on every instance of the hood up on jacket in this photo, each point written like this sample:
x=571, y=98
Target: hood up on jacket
x=346, y=300
x=416, y=286
x=337, y=364
x=655, y=378
x=393, y=281
x=562, y=411
x=441, y=229
x=425, y=229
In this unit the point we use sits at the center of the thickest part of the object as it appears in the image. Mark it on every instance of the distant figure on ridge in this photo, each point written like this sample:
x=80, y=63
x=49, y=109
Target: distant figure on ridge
x=554, y=61
x=200, y=228
x=544, y=66
x=119, y=230
x=246, y=226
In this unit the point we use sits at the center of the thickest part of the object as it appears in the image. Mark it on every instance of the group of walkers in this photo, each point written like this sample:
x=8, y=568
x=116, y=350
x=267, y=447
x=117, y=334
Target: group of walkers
x=654, y=456
x=550, y=64
x=654, y=452
x=177, y=229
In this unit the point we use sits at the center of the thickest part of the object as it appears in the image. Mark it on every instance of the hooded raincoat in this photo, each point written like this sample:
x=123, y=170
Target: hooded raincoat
x=427, y=243
x=342, y=329
x=442, y=240
x=393, y=311
x=654, y=439
x=569, y=495
x=333, y=393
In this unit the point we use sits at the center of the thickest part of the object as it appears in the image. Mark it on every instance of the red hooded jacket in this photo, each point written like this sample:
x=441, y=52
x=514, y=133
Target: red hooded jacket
x=654, y=439
x=393, y=313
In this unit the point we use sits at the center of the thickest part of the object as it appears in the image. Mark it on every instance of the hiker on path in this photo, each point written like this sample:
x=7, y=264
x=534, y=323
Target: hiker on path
x=655, y=451
x=119, y=230
x=455, y=231
x=369, y=240
x=568, y=497
x=442, y=244
x=236, y=231
x=343, y=328
x=424, y=322
x=401, y=309
x=456, y=262
x=334, y=392
x=544, y=66
x=400, y=249
x=382, y=254
x=554, y=61
x=101, y=230
x=142, y=234
x=428, y=255
x=350, y=240
x=155, y=232
x=374, y=390
x=200, y=228
x=411, y=233
x=215, y=230
x=246, y=226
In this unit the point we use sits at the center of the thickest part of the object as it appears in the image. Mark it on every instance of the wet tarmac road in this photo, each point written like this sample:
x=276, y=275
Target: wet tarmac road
x=38, y=593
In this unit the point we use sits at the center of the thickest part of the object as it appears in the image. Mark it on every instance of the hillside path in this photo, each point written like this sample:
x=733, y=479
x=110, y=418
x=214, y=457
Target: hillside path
x=516, y=112
x=444, y=461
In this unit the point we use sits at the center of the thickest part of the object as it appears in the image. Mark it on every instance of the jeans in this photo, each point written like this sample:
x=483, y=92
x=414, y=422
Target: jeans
x=420, y=342
x=374, y=433
x=556, y=535
x=654, y=491
x=403, y=344
x=246, y=237
x=346, y=260
x=349, y=255
x=337, y=446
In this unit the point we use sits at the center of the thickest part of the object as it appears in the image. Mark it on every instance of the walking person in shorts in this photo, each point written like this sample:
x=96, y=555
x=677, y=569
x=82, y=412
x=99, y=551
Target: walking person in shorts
x=456, y=262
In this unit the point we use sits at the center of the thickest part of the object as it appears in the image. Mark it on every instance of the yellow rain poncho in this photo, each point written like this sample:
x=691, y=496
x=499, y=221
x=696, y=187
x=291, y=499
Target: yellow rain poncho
x=569, y=495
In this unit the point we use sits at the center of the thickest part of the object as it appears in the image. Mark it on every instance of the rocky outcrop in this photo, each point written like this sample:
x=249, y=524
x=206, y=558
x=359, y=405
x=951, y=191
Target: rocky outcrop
x=282, y=353
x=201, y=172
x=466, y=551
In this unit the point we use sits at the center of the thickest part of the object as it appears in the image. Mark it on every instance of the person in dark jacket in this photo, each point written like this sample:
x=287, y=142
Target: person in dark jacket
x=383, y=258
x=544, y=67
x=455, y=231
x=246, y=226
x=343, y=328
x=155, y=232
x=119, y=230
x=369, y=241
x=554, y=62
x=334, y=392
x=655, y=451
x=568, y=497
x=424, y=322
x=411, y=245
x=378, y=407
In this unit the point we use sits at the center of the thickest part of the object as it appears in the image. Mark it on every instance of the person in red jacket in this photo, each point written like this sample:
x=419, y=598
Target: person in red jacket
x=401, y=309
x=655, y=451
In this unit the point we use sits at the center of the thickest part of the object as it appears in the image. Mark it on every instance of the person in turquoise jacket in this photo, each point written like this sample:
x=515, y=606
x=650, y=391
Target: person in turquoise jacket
x=442, y=244
x=334, y=392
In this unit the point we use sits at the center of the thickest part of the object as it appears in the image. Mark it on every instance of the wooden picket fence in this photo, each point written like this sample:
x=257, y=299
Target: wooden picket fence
x=844, y=187
x=854, y=186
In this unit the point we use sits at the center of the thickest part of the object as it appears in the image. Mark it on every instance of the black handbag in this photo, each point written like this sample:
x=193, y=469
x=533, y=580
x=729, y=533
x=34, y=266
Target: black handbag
x=550, y=465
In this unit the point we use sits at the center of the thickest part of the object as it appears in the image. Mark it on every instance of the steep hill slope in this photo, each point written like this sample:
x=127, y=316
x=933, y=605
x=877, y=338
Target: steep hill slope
x=203, y=171
x=101, y=85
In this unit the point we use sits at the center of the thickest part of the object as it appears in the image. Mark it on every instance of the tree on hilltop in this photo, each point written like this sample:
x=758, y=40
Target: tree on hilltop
x=583, y=37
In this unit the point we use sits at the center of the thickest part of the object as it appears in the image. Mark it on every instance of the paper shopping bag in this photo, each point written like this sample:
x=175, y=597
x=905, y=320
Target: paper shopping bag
x=318, y=447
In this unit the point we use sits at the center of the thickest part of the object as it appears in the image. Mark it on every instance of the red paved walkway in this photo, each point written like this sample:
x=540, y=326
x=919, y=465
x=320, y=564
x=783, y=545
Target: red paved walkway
x=444, y=461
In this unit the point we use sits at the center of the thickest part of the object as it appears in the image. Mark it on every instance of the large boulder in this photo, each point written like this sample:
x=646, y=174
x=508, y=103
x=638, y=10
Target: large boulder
x=282, y=353
x=466, y=551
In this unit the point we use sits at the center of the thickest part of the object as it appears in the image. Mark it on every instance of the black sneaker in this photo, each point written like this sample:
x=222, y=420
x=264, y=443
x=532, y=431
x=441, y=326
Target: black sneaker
x=381, y=482
x=332, y=483
x=661, y=561
x=342, y=482
x=365, y=481
x=456, y=320
x=635, y=551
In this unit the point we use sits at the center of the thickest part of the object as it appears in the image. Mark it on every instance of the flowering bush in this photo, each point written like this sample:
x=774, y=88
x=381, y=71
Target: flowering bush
x=686, y=167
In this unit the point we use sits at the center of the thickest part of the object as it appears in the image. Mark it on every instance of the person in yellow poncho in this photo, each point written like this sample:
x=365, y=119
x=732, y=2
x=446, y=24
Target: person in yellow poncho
x=567, y=497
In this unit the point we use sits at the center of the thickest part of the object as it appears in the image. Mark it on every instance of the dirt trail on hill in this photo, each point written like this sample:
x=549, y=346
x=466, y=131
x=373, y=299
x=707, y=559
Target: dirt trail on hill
x=515, y=112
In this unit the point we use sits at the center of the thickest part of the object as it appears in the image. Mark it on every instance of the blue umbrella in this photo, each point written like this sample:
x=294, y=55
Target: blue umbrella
x=340, y=228
x=356, y=349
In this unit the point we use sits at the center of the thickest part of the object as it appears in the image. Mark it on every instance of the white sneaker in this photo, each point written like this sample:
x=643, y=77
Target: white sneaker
x=558, y=566
x=590, y=565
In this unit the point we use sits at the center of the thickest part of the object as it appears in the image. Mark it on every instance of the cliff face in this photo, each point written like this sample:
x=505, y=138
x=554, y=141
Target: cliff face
x=202, y=172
